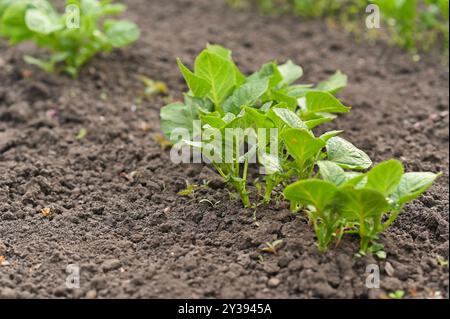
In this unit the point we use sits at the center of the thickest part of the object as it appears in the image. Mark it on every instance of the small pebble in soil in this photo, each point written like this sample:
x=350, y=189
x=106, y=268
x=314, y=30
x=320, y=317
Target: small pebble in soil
x=389, y=269
x=91, y=294
x=110, y=265
x=8, y=293
x=271, y=268
x=273, y=282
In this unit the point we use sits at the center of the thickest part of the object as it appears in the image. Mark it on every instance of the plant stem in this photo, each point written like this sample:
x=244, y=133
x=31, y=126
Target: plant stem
x=244, y=175
x=245, y=199
x=243, y=188
x=270, y=185
x=293, y=206
x=365, y=244
x=362, y=233
x=220, y=171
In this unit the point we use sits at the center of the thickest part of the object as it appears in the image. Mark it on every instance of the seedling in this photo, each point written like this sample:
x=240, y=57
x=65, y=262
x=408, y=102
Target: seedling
x=399, y=294
x=442, y=262
x=152, y=87
x=356, y=203
x=72, y=38
x=334, y=187
x=205, y=200
x=162, y=141
x=46, y=212
x=81, y=134
x=221, y=100
x=272, y=247
x=189, y=190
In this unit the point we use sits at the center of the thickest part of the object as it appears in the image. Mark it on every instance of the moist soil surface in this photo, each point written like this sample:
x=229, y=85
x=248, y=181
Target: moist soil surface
x=115, y=211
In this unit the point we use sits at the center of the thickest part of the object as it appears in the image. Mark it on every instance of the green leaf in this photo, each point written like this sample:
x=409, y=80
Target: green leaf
x=355, y=179
x=246, y=95
x=199, y=86
x=202, y=105
x=412, y=185
x=121, y=32
x=301, y=144
x=332, y=172
x=213, y=120
x=317, y=193
x=113, y=8
x=176, y=116
x=3, y=5
x=346, y=155
x=219, y=73
x=319, y=120
x=299, y=90
x=318, y=102
x=287, y=117
x=328, y=135
x=361, y=204
x=91, y=7
x=385, y=177
x=261, y=120
x=334, y=84
x=266, y=106
x=280, y=97
x=290, y=72
x=249, y=93
x=42, y=22
x=12, y=24
x=227, y=54
x=271, y=163
x=47, y=66
x=270, y=71
x=81, y=134
x=219, y=50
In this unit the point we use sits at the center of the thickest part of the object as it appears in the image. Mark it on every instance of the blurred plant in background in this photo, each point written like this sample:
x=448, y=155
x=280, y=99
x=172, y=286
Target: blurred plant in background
x=72, y=38
x=416, y=25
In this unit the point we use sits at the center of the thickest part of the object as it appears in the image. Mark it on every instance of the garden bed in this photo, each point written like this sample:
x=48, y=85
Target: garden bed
x=115, y=211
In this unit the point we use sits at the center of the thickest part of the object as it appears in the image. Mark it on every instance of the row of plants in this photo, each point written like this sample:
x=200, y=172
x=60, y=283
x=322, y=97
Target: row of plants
x=72, y=38
x=413, y=24
x=325, y=177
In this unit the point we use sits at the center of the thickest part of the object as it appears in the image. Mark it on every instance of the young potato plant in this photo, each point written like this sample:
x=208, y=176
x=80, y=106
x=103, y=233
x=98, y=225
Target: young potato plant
x=272, y=121
x=265, y=107
x=345, y=200
x=72, y=38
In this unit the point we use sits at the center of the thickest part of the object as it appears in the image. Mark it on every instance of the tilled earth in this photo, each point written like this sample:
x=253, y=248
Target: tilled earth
x=112, y=194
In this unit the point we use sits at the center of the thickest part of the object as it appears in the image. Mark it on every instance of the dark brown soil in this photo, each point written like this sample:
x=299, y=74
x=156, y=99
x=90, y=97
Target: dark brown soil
x=135, y=238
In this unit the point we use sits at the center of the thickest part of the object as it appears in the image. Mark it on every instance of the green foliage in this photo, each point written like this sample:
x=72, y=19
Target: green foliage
x=335, y=186
x=72, y=39
x=221, y=98
x=351, y=202
x=416, y=24
x=413, y=24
